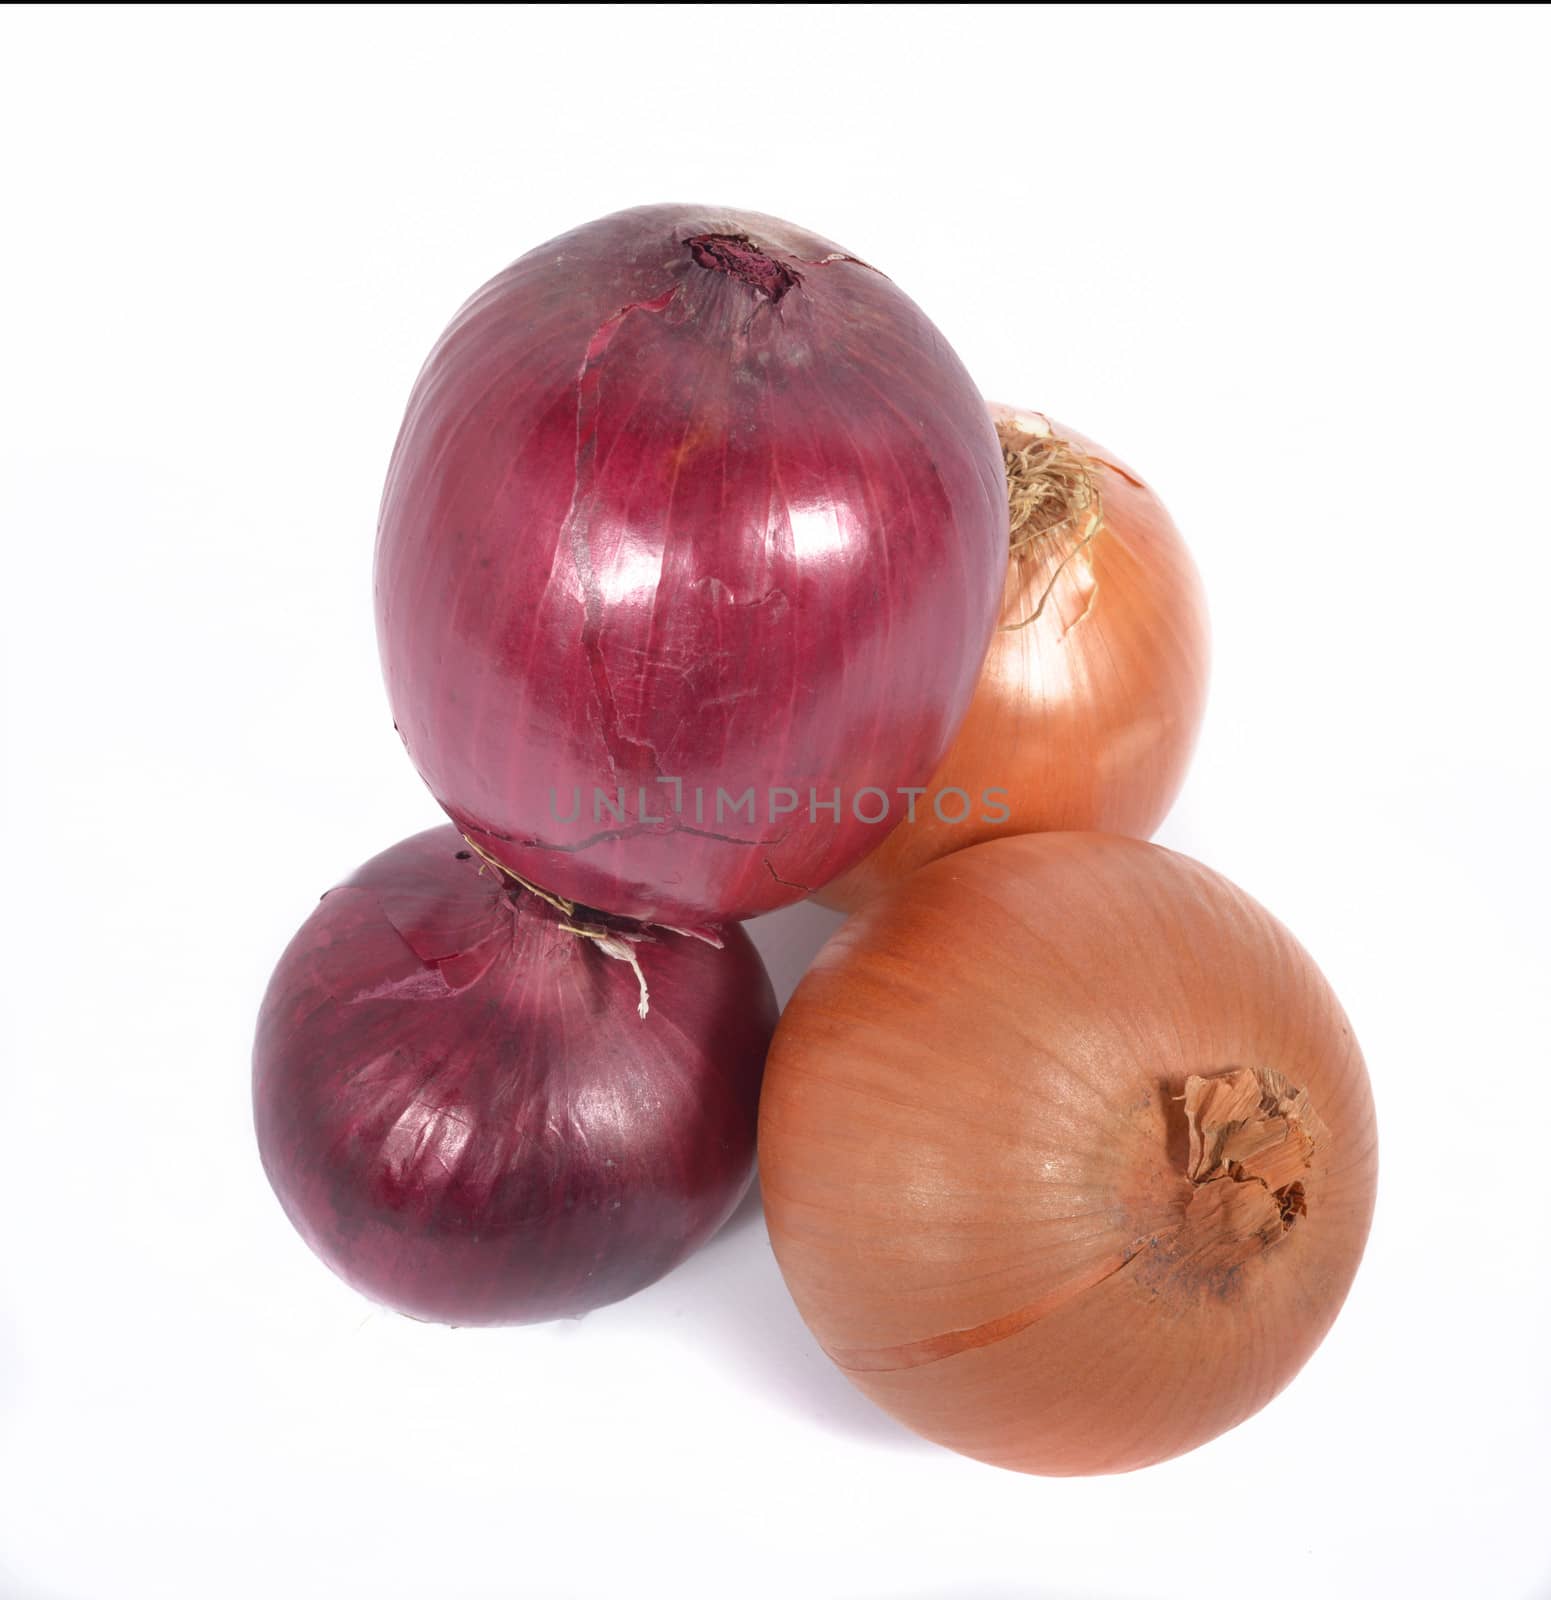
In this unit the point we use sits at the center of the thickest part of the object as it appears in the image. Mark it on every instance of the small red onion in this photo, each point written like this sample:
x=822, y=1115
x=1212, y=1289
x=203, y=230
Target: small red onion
x=465, y=1116
x=686, y=503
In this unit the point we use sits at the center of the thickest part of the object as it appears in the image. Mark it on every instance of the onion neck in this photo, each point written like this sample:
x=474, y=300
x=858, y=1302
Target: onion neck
x=616, y=937
x=741, y=259
x=1252, y=1140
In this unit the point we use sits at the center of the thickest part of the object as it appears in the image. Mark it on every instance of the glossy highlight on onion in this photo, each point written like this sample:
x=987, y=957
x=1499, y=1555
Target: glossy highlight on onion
x=1068, y=1153
x=1094, y=687
x=462, y=1110
x=694, y=519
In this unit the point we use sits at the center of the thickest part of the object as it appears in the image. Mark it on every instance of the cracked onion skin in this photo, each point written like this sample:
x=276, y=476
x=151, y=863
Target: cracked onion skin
x=1087, y=715
x=462, y=1112
x=1068, y=1153
x=692, y=495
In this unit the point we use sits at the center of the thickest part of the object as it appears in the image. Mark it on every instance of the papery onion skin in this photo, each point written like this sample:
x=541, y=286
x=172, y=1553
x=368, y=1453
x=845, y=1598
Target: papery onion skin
x=462, y=1112
x=670, y=512
x=973, y=1154
x=1087, y=716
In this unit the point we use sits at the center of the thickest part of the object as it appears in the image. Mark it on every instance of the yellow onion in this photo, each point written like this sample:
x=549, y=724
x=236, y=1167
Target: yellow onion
x=1092, y=692
x=1068, y=1153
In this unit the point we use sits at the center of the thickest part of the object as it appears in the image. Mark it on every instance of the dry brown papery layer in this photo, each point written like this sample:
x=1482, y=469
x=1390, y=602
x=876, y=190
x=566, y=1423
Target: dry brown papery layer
x=1252, y=1138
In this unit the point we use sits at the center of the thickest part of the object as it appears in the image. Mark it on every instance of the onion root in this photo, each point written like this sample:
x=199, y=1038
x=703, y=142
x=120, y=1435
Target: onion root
x=1051, y=489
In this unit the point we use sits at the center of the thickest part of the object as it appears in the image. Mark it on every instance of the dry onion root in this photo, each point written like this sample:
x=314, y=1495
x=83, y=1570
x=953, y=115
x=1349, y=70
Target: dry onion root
x=1091, y=695
x=1068, y=1153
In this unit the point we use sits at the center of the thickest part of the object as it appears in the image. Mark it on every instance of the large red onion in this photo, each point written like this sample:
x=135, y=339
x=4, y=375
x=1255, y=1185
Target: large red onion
x=686, y=501
x=462, y=1111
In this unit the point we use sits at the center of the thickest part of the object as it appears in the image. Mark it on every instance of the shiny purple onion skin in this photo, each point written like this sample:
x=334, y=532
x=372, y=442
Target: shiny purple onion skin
x=670, y=506
x=462, y=1112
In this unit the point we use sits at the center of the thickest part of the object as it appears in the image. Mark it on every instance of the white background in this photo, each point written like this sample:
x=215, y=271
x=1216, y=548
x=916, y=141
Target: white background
x=1293, y=264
